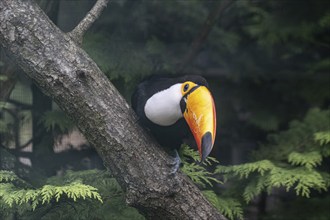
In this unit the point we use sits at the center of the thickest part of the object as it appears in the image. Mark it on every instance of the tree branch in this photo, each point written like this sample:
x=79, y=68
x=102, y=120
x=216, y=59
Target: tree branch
x=66, y=73
x=204, y=32
x=78, y=32
x=20, y=105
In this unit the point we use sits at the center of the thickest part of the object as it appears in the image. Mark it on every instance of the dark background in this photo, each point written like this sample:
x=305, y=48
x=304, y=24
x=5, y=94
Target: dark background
x=267, y=63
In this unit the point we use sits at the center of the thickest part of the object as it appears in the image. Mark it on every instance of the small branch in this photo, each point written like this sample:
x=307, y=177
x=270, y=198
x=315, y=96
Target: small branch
x=204, y=32
x=18, y=154
x=78, y=32
x=20, y=105
x=26, y=144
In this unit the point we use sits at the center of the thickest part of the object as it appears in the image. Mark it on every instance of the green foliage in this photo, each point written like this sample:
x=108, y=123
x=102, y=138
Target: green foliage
x=267, y=176
x=269, y=67
x=113, y=206
x=65, y=196
x=322, y=137
x=194, y=169
x=295, y=165
x=7, y=176
x=300, y=137
x=3, y=78
x=244, y=170
x=231, y=208
x=198, y=173
x=309, y=160
x=12, y=195
x=56, y=119
x=75, y=190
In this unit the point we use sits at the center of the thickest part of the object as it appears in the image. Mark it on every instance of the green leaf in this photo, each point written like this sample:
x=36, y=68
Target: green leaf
x=322, y=137
x=309, y=160
x=57, y=119
x=3, y=78
x=195, y=170
x=7, y=176
x=244, y=170
x=12, y=195
x=231, y=208
x=304, y=180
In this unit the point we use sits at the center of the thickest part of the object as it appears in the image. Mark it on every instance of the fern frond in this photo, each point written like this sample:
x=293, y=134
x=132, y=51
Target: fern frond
x=255, y=187
x=7, y=176
x=301, y=179
x=12, y=195
x=8, y=198
x=302, y=136
x=231, y=208
x=244, y=170
x=309, y=160
x=267, y=176
x=326, y=178
x=188, y=152
x=47, y=193
x=194, y=170
x=57, y=119
x=198, y=174
x=322, y=138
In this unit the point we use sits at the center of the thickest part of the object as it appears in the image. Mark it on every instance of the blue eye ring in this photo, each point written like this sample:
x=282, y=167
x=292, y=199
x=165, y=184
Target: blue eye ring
x=186, y=87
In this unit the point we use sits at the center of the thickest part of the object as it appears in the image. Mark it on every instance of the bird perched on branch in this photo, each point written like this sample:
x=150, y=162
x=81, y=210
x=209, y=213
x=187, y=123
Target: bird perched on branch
x=169, y=107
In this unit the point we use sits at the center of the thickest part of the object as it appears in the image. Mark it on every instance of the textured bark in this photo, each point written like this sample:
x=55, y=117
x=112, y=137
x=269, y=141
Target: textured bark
x=66, y=73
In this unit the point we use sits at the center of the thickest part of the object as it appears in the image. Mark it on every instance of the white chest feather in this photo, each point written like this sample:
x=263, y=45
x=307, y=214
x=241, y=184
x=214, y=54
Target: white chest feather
x=163, y=108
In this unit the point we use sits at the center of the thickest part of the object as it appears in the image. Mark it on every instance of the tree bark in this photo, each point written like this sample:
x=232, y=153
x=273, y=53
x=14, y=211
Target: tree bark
x=67, y=74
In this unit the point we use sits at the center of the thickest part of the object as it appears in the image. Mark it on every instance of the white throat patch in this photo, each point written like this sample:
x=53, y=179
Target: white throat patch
x=163, y=108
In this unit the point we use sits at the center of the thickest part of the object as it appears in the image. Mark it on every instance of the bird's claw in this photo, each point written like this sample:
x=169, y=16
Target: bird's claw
x=175, y=163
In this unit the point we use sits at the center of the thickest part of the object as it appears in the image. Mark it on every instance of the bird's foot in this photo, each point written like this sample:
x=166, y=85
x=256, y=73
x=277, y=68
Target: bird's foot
x=175, y=163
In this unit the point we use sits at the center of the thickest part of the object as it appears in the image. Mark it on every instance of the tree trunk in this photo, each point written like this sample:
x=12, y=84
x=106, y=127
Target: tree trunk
x=65, y=72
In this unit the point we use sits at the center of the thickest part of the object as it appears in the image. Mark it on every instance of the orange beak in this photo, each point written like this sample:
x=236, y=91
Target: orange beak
x=201, y=117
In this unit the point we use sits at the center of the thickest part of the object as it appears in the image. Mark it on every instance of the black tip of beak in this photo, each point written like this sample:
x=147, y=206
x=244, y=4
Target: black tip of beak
x=206, y=145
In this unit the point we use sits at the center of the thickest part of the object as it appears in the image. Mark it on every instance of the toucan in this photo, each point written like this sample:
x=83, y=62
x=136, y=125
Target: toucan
x=171, y=106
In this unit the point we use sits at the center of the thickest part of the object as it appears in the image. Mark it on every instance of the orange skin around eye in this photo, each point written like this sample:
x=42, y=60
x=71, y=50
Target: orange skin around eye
x=201, y=117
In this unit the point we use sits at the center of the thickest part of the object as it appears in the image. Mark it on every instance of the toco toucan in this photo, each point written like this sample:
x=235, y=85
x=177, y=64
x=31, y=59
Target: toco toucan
x=170, y=107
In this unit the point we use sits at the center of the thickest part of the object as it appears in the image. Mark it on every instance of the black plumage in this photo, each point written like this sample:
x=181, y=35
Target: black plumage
x=168, y=136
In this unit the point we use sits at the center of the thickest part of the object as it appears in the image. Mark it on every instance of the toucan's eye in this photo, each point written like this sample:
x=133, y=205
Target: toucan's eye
x=186, y=87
